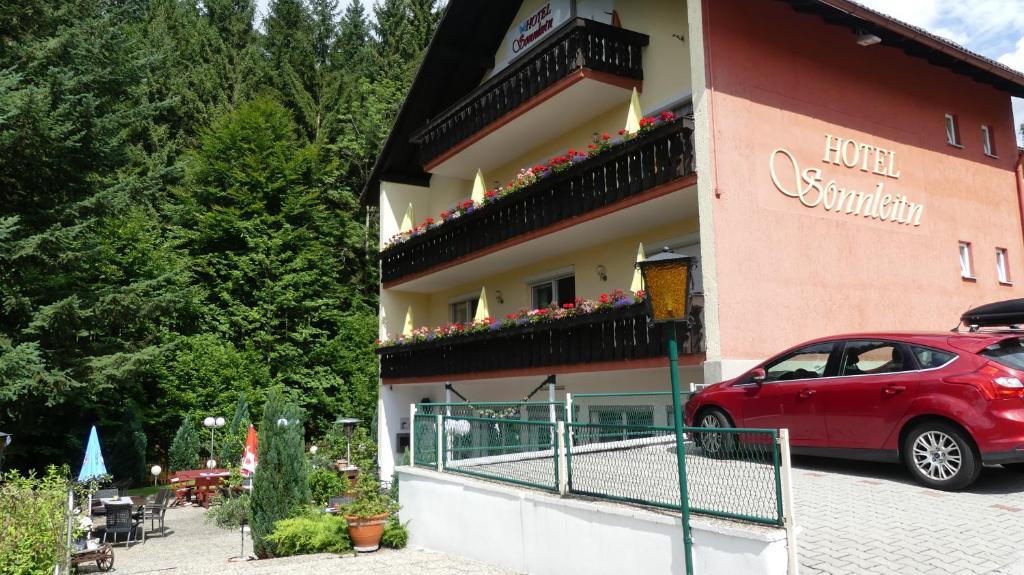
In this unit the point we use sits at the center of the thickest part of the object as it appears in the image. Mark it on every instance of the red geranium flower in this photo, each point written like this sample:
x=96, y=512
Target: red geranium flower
x=622, y=132
x=605, y=136
x=430, y=221
x=567, y=306
x=604, y=298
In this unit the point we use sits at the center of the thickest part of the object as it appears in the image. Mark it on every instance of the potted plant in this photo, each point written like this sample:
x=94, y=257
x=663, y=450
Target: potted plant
x=367, y=515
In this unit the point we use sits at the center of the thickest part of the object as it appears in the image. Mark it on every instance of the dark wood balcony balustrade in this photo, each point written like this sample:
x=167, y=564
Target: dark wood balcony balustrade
x=578, y=44
x=615, y=335
x=654, y=157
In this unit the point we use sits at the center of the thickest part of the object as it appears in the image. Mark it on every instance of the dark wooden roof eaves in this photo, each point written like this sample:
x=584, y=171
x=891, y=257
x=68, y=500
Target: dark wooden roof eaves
x=460, y=53
x=914, y=41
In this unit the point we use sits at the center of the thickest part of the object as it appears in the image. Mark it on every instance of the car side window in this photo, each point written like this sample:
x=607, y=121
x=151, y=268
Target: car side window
x=929, y=358
x=873, y=357
x=805, y=363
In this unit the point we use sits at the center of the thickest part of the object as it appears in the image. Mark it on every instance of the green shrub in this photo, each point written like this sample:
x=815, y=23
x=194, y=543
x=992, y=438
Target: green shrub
x=33, y=514
x=323, y=484
x=184, y=452
x=370, y=500
x=281, y=483
x=311, y=533
x=396, y=536
x=231, y=513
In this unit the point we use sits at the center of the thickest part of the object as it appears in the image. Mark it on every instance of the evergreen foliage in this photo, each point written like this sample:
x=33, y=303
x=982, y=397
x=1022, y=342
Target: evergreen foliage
x=178, y=218
x=281, y=483
x=184, y=452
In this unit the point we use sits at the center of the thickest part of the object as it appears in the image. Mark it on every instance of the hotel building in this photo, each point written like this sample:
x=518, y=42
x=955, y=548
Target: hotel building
x=828, y=168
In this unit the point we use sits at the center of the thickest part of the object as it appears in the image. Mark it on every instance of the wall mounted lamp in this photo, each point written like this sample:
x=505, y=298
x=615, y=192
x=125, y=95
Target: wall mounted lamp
x=498, y=296
x=602, y=273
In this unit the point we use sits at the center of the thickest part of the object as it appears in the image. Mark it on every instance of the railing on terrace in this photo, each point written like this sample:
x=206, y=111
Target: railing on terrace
x=652, y=158
x=619, y=334
x=578, y=44
x=737, y=474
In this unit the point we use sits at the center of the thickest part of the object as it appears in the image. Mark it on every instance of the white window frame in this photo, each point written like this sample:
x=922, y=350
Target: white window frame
x=952, y=131
x=986, y=141
x=966, y=263
x=1003, y=266
x=551, y=278
x=463, y=300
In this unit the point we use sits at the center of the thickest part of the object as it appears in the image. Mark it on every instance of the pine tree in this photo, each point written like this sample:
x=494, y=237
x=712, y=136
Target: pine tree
x=184, y=452
x=280, y=484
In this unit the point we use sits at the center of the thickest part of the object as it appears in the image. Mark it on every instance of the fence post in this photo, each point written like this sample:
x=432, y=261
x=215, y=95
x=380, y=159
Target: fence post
x=563, y=470
x=789, y=519
x=412, y=434
x=440, y=441
x=568, y=413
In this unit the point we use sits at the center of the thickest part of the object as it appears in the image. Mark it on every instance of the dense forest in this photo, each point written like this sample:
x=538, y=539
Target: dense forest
x=179, y=224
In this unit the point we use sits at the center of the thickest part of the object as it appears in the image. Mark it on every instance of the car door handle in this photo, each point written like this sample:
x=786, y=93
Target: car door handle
x=806, y=393
x=893, y=389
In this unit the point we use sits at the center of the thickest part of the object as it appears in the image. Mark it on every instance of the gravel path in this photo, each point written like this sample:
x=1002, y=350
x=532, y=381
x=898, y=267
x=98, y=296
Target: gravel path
x=193, y=547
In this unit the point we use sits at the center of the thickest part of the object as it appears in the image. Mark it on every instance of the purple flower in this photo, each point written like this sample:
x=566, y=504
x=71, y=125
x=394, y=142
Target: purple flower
x=622, y=302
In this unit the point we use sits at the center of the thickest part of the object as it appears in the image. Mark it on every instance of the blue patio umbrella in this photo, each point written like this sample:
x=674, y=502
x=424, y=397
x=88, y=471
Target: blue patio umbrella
x=93, y=465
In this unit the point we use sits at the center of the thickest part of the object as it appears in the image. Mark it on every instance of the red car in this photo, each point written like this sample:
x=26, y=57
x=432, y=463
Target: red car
x=942, y=403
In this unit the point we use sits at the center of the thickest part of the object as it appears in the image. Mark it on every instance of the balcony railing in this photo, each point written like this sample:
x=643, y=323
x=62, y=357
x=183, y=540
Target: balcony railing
x=578, y=44
x=616, y=335
x=653, y=158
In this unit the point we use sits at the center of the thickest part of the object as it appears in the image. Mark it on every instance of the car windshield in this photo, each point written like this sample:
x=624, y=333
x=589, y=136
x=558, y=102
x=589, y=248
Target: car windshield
x=1009, y=352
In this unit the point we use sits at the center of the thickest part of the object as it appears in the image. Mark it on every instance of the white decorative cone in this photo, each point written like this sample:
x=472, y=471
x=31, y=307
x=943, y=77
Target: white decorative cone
x=479, y=187
x=409, y=325
x=635, y=113
x=482, y=309
x=408, y=221
x=638, y=279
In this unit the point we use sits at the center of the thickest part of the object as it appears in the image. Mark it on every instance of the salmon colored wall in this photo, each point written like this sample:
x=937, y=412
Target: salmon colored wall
x=786, y=272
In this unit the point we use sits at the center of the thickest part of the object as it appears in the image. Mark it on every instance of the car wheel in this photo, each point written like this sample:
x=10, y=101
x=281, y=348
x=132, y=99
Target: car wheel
x=713, y=444
x=941, y=456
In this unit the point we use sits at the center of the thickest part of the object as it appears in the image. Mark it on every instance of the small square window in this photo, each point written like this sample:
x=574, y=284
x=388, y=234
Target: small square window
x=987, y=144
x=965, y=260
x=463, y=311
x=952, y=131
x=1002, y=266
x=556, y=291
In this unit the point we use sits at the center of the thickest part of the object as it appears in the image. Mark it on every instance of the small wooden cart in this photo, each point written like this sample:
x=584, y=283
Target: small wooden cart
x=102, y=555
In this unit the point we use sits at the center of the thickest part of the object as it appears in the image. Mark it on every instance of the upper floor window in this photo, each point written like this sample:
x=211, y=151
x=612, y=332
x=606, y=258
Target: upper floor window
x=556, y=290
x=1002, y=266
x=966, y=270
x=986, y=141
x=952, y=131
x=463, y=310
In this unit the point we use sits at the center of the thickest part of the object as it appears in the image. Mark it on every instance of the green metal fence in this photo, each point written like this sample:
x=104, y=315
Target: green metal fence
x=518, y=452
x=519, y=410
x=424, y=447
x=628, y=408
x=731, y=473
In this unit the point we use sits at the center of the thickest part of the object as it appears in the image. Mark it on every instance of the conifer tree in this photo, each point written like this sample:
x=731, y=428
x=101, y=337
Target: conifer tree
x=184, y=452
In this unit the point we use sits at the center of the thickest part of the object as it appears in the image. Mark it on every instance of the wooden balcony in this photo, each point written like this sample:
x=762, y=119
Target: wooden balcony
x=653, y=159
x=615, y=339
x=579, y=48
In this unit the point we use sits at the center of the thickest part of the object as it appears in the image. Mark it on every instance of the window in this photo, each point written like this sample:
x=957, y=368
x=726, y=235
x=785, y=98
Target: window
x=965, y=260
x=805, y=363
x=871, y=357
x=557, y=291
x=928, y=358
x=952, y=131
x=1009, y=352
x=463, y=311
x=986, y=141
x=1002, y=266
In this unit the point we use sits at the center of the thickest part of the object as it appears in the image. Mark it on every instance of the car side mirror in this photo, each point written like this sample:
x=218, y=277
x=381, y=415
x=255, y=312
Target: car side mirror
x=758, y=375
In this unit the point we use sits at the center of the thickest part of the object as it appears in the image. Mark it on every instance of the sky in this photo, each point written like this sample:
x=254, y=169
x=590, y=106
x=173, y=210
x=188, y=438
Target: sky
x=992, y=28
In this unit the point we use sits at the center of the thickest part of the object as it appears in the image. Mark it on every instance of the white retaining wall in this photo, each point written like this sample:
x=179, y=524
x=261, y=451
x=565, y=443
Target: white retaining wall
x=536, y=533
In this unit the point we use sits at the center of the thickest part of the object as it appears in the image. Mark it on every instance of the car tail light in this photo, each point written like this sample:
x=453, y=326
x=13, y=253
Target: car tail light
x=992, y=380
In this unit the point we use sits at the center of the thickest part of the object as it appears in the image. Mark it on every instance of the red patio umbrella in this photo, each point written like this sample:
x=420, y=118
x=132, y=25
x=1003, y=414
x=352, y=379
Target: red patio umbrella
x=249, y=460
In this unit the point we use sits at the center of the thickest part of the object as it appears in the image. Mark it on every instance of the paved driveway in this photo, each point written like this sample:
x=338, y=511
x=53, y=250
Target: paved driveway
x=872, y=518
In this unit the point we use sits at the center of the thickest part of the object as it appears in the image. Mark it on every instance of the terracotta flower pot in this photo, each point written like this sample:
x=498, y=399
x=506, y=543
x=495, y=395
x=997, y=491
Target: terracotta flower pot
x=366, y=531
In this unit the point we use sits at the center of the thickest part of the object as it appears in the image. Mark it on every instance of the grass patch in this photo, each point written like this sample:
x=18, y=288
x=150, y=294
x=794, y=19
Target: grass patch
x=143, y=491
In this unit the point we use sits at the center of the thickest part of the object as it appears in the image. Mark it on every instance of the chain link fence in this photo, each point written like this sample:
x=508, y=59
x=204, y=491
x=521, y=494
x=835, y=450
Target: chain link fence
x=424, y=448
x=518, y=452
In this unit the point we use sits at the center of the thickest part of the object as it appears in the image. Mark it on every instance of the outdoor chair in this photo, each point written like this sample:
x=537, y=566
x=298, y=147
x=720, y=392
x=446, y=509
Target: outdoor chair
x=120, y=520
x=154, y=511
x=97, y=505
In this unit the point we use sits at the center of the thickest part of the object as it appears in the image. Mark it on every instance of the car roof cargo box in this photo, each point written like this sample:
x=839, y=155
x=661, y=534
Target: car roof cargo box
x=1000, y=313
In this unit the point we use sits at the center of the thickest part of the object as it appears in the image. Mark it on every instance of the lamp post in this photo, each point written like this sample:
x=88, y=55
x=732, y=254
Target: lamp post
x=212, y=423
x=666, y=279
x=155, y=472
x=349, y=423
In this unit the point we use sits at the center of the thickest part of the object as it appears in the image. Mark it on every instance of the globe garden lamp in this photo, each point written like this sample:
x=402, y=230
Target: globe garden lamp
x=155, y=472
x=349, y=423
x=213, y=423
x=666, y=280
x=211, y=463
